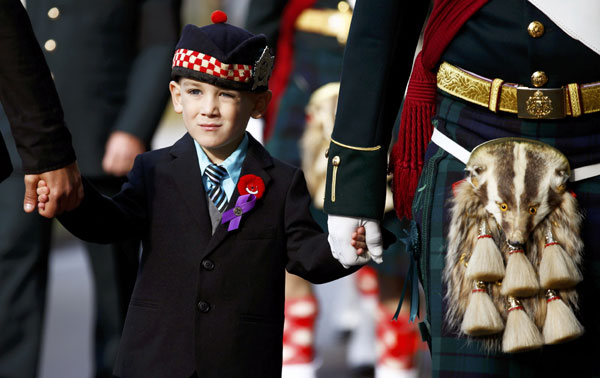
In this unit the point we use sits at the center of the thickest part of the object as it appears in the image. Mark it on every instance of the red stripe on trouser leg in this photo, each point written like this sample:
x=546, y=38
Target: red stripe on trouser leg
x=299, y=329
x=397, y=341
x=366, y=281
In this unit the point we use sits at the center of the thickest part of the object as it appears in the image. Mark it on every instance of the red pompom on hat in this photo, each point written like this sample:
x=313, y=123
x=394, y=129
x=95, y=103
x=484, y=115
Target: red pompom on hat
x=218, y=17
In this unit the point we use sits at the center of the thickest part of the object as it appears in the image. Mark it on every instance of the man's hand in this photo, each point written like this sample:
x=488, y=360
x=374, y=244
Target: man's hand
x=66, y=191
x=340, y=238
x=121, y=150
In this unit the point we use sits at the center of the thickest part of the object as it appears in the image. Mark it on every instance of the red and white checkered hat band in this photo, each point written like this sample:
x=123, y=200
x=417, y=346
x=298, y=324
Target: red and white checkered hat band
x=197, y=61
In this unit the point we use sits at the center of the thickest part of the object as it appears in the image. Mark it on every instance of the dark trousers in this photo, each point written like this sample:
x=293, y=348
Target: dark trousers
x=24, y=246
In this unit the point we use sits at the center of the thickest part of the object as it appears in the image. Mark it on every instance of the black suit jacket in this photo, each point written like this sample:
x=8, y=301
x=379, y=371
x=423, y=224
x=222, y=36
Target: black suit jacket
x=213, y=304
x=29, y=97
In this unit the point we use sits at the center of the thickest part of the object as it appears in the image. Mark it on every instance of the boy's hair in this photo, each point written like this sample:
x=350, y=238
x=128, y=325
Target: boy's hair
x=223, y=55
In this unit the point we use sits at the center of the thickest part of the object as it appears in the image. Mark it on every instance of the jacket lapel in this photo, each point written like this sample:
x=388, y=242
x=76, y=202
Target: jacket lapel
x=256, y=162
x=188, y=179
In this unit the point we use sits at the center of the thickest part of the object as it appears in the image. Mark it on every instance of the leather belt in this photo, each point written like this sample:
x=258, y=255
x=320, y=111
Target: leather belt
x=533, y=103
x=328, y=22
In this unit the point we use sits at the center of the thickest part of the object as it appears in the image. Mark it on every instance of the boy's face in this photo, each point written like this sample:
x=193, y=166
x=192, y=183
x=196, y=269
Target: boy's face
x=216, y=117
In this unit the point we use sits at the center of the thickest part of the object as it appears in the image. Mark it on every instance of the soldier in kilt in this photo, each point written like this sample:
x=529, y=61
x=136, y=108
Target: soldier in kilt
x=509, y=40
x=457, y=356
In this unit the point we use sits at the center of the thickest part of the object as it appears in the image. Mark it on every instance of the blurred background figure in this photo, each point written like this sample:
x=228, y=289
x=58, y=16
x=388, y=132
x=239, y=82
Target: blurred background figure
x=108, y=59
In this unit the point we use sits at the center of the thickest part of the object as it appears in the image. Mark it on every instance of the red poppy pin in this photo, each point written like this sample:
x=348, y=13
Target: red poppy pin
x=251, y=184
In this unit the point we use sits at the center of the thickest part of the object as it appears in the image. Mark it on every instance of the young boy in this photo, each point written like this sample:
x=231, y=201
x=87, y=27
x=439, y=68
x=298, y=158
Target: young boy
x=220, y=222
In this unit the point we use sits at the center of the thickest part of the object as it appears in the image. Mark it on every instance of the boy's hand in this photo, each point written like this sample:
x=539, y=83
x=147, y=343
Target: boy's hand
x=66, y=186
x=43, y=193
x=358, y=241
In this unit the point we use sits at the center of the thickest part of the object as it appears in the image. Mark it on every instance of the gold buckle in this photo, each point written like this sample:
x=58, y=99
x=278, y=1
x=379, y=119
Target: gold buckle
x=541, y=103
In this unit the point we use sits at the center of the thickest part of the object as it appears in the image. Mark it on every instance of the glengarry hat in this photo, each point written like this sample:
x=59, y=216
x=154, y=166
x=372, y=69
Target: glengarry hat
x=223, y=55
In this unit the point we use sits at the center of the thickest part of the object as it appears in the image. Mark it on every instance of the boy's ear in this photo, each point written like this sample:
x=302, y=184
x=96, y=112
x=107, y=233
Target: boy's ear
x=260, y=104
x=175, y=90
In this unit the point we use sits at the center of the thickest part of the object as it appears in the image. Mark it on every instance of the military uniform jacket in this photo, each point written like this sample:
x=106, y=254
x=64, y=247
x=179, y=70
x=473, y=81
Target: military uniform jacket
x=111, y=62
x=213, y=304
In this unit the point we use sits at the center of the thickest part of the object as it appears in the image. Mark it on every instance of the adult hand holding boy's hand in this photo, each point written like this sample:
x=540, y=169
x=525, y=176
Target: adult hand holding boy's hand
x=341, y=229
x=121, y=150
x=65, y=186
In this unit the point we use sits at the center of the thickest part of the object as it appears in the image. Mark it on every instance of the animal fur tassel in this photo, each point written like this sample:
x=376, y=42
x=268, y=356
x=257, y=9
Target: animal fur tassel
x=561, y=324
x=520, y=334
x=486, y=263
x=481, y=316
x=557, y=269
x=520, y=279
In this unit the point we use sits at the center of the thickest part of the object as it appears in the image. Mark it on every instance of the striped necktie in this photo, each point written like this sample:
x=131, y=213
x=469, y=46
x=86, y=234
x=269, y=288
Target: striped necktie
x=216, y=174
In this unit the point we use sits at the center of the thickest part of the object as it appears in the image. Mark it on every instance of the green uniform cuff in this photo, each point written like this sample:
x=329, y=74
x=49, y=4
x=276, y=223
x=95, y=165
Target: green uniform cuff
x=356, y=181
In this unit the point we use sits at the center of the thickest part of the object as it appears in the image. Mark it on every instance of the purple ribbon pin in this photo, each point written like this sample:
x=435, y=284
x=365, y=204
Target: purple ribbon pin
x=243, y=204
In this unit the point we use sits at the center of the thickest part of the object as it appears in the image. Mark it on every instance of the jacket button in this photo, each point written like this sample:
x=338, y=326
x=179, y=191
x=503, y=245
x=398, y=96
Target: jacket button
x=53, y=13
x=203, y=307
x=539, y=78
x=535, y=29
x=50, y=45
x=208, y=265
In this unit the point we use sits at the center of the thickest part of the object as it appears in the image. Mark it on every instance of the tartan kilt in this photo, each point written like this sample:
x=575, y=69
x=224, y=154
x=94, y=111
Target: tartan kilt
x=579, y=140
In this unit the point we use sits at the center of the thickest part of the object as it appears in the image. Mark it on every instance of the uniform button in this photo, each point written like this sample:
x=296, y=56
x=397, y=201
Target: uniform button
x=53, y=13
x=203, y=307
x=50, y=45
x=535, y=29
x=343, y=6
x=208, y=265
x=539, y=78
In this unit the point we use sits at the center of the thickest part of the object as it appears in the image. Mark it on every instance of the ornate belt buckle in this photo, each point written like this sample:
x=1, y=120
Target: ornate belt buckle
x=541, y=103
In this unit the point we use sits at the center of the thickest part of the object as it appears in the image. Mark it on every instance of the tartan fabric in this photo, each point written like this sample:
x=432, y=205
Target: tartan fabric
x=455, y=357
x=207, y=64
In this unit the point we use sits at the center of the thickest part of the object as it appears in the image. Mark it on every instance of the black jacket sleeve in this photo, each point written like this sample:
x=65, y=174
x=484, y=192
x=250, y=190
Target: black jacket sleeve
x=29, y=97
x=104, y=220
x=309, y=254
x=376, y=67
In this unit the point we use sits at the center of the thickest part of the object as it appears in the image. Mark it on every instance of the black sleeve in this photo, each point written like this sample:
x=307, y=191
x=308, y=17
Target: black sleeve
x=28, y=95
x=101, y=219
x=309, y=254
x=376, y=67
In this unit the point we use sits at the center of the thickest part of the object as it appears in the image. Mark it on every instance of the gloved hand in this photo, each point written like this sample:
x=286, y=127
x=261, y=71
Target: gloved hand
x=340, y=237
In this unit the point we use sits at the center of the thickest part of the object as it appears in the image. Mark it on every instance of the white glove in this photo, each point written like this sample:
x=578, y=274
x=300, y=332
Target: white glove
x=340, y=238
